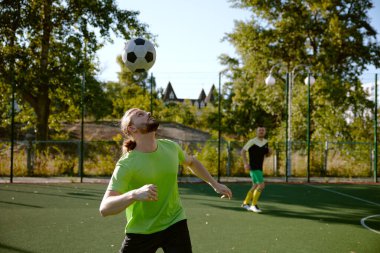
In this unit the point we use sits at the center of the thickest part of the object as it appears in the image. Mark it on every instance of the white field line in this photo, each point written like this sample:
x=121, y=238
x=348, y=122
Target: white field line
x=362, y=221
x=346, y=195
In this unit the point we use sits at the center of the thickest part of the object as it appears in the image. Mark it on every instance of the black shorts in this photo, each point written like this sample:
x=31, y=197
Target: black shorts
x=174, y=239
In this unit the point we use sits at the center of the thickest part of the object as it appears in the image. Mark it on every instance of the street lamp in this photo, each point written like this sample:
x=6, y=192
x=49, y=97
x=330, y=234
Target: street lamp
x=270, y=80
x=151, y=93
x=83, y=85
x=12, y=126
x=290, y=77
x=219, y=123
x=309, y=80
x=375, y=135
x=219, y=120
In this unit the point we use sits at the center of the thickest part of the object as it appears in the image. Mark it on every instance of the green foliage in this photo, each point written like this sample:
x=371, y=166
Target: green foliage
x=47, y=47
x=55, y=160
x=333, y=37
x=349, y=159
x=101, y=157
x=5, y=105
x=342, y=159
x=207, y=154
x=124, y=97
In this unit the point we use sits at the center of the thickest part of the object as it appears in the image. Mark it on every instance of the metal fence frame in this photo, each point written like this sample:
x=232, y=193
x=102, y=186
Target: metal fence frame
x=106, y=153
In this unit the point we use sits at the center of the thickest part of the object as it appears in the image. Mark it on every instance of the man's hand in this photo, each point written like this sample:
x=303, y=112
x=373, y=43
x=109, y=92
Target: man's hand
x=223, y=190
x=247, y=167
x=146, y=193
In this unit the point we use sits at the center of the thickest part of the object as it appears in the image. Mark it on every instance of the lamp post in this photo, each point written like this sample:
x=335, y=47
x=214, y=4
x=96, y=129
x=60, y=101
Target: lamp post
x=375, y=135
x=151, y=93
x=290, y=77
x=219, y=119
x=270, y=80
x=12, y=128
x=81, y=164
x=309, y=80
x=219, y=123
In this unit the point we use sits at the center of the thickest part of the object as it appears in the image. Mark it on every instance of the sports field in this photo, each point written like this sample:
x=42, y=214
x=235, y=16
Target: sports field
x=295, y=218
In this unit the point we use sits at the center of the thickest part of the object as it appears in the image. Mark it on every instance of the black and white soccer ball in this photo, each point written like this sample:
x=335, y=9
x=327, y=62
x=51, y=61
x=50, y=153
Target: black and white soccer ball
x=139, y=55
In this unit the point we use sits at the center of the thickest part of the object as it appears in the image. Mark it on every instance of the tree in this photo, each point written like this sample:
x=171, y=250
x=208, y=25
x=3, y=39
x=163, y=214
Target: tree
x=333, y=37
x=44, y=44
x=124, y=97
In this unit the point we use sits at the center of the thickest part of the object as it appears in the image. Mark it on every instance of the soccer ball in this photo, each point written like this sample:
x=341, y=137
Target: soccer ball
x=139, y=55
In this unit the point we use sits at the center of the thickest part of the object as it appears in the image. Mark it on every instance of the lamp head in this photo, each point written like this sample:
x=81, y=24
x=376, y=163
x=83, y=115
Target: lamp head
x=312, y=80
x=270, y=80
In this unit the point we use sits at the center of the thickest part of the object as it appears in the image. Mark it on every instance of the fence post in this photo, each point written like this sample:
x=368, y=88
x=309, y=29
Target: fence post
x=371, y=159
x=29, y=147
x=228, y=168
x=79, y=150
x=325, y=154
x=180, y=167
x=275, y=159
x=375, y=134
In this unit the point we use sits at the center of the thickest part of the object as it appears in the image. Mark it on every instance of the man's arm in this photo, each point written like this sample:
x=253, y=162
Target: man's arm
x=243, y=154
x=114, y=202
x=200, y=171
x=269, y=152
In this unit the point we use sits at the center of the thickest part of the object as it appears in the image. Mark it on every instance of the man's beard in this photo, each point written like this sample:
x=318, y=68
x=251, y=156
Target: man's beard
x=150, y=127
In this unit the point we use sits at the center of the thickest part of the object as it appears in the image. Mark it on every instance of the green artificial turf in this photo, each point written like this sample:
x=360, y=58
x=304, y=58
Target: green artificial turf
x=295, y=218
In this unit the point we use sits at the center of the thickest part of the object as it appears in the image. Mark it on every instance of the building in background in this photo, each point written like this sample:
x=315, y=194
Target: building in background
x=203, y=100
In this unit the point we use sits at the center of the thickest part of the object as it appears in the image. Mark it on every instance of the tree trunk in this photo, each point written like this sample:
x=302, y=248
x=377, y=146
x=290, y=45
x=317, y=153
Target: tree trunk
x=40, y=101
x=43, y=112
x=42, y=108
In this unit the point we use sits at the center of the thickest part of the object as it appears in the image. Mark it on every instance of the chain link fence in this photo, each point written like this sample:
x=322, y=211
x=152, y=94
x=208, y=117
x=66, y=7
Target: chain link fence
x=63, y=158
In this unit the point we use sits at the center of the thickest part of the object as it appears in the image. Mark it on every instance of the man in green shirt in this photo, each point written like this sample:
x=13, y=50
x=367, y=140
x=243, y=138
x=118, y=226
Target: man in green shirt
x=144, y=183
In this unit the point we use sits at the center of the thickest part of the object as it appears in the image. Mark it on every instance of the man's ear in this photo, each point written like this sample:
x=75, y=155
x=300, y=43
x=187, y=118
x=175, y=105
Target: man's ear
x=131, y=129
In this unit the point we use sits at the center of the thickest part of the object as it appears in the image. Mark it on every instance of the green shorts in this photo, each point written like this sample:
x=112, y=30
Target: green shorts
x=256, y=176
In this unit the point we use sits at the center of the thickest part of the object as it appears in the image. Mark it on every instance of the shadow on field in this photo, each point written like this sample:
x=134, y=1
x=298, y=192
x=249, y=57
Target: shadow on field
x=58, y=192
x=20, y=204
x=296, y=201
x=12, y=248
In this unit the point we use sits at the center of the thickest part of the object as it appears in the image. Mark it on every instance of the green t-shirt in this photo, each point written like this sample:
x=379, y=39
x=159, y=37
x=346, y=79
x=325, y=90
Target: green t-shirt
x=136, y=169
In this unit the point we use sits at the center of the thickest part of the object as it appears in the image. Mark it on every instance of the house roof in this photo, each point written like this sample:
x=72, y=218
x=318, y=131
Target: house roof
x=210, y=97
x=202, y=96
x=168, y=91
x=169, y=95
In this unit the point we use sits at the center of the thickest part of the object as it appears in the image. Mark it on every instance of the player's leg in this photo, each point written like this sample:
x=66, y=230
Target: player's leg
x=249, y=196
x=140, y=243
x=259, y=180
x=176, y=238
x=257, y=193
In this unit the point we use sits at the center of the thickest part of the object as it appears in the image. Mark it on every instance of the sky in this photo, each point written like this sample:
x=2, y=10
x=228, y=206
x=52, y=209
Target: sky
x=189, y=38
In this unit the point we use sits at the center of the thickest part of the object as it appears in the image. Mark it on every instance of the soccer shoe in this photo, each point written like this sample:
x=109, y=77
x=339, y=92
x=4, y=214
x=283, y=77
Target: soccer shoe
x=255, y=209
x=246, y=207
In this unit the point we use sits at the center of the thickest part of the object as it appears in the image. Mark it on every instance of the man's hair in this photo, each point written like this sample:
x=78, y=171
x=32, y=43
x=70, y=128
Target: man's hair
x=126, y=121
x=129, y=144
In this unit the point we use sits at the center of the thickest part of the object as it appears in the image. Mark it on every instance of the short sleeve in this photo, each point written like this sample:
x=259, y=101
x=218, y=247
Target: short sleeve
x=120, y=178
x=248, y=144
x=181, y=153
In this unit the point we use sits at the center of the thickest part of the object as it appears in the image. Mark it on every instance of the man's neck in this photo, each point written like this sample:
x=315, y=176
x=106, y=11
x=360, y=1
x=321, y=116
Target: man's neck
x=146, y=142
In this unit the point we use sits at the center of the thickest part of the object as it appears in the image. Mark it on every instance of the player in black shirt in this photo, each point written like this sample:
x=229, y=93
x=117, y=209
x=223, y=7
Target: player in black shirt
x=257, y=149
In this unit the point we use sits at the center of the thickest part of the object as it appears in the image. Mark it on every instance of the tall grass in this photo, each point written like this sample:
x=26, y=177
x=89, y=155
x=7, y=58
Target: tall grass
x=100, y=157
